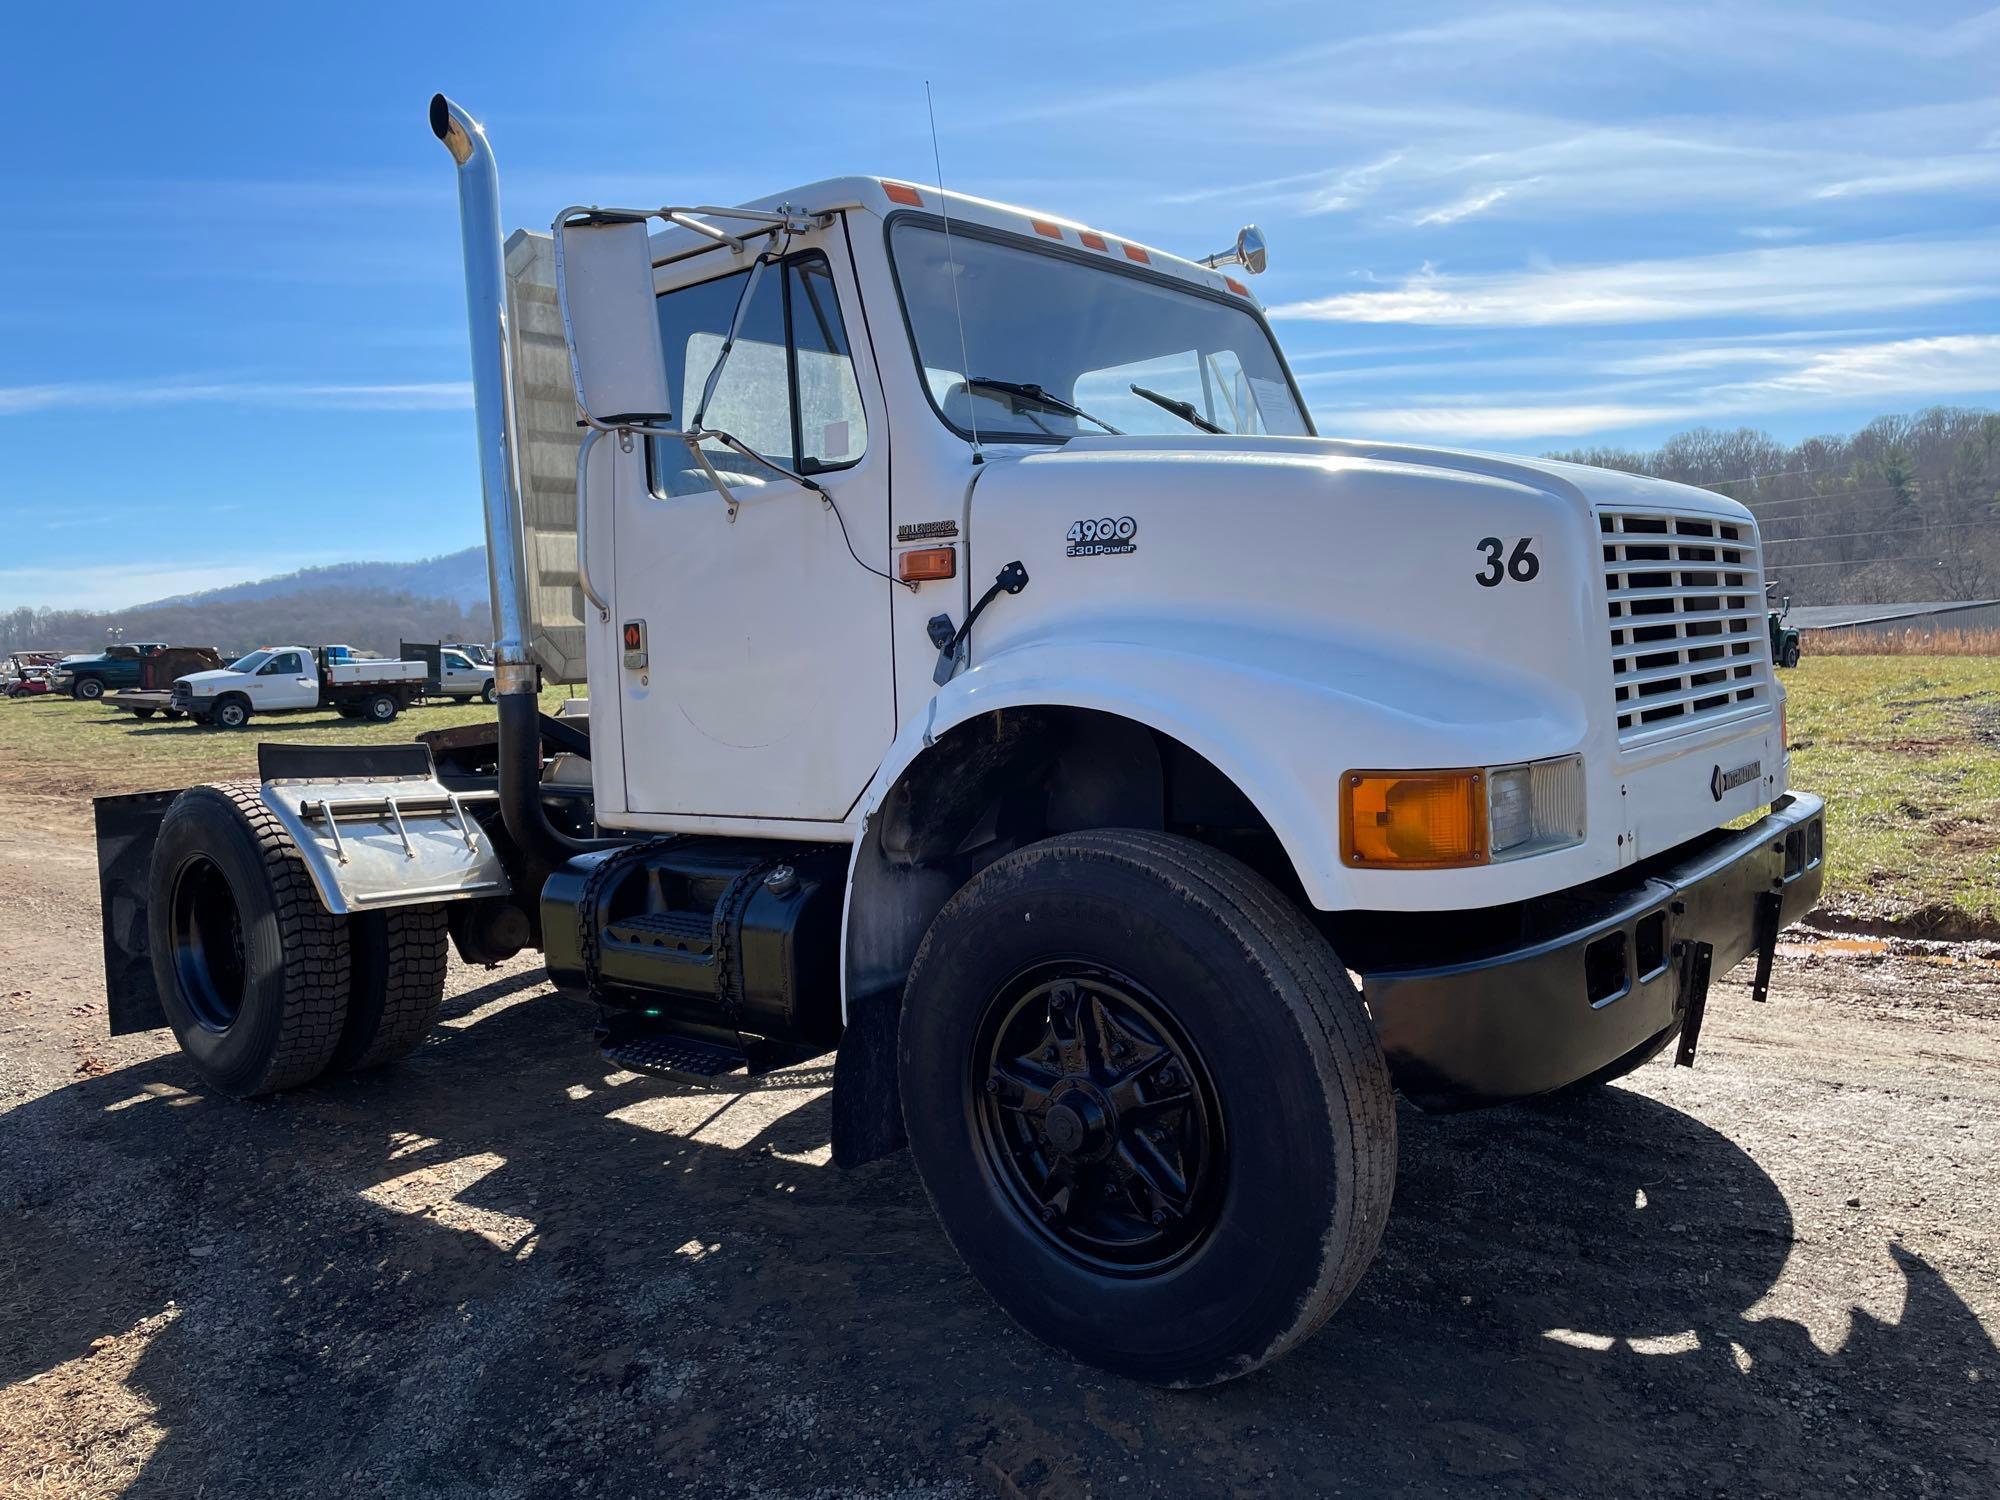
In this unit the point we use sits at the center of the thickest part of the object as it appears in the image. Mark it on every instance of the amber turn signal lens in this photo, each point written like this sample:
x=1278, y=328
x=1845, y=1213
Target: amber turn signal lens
x=1413, y=820
x=927, y=564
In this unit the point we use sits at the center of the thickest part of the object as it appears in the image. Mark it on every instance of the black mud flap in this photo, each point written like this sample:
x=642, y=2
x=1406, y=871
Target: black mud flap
x=867, y=1100
x=127, y=829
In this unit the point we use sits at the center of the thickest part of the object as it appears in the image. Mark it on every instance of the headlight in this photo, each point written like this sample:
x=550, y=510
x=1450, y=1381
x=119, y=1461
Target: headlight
x=1440, y=820
x=1533, y=808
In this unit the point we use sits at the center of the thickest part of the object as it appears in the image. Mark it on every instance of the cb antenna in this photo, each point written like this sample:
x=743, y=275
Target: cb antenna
x=951, y=269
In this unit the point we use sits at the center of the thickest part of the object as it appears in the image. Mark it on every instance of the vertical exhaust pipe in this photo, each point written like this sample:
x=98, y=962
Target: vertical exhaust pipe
x=499, y=481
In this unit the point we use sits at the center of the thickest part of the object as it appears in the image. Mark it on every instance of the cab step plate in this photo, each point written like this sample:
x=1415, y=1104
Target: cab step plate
x=685, y=1059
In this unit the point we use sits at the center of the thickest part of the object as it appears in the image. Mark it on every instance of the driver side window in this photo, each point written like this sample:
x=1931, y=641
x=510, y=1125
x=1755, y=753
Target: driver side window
x=281, y=666
x=788, y=390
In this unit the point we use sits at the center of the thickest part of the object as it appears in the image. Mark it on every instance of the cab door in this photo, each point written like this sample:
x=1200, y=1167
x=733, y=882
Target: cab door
x=285, y=681
x=764, y=686
x=456, y=677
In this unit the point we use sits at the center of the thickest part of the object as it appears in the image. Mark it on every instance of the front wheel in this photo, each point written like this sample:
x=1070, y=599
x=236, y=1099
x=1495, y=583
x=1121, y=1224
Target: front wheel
x=1147, y=1104
x=1789, y=657
x=486, y=693
x=87, y=690
x=232, y=713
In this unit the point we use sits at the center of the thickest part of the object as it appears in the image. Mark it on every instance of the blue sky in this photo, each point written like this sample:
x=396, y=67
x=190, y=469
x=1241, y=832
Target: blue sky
x=233, y=342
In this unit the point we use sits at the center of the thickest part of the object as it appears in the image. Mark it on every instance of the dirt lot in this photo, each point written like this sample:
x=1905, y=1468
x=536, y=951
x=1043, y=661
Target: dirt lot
x=499, y=1270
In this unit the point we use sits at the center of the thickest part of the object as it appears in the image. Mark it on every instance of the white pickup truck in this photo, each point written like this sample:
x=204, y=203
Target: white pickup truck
x=292, y=679
x=995, y=677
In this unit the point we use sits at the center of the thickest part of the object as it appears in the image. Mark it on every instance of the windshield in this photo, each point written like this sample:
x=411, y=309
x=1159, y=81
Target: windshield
x=1084, y=334
x=251, y=662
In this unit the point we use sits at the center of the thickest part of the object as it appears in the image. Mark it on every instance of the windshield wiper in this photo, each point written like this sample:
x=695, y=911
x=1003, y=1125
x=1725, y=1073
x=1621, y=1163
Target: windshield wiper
x=1182, y=409
x=1039, y=397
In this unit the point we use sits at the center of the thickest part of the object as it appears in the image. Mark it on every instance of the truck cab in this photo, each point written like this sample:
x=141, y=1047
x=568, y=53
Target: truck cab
x=269, y=679
x=89, y=678
x=995, y=678
x=459, y=676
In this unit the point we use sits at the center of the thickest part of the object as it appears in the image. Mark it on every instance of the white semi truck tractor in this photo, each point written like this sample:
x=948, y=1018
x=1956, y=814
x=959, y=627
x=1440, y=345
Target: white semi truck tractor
x=993, y=678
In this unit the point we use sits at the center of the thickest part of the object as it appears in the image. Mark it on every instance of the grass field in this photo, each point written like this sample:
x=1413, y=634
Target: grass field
x=55, y=747
x=1905, y=749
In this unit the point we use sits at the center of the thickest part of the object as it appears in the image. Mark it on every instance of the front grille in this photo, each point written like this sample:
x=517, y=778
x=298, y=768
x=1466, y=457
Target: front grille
x=181, y=696
x=1685, y=598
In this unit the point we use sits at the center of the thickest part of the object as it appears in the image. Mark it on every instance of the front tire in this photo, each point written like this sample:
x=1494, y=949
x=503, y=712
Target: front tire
x=486, y=693
x=231, y=713
x=1147, y=1104
x=87, y=690
x=252, y=970
x=1790, y=655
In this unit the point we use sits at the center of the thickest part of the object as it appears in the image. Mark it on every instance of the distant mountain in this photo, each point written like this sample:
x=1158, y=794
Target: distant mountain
x=371, y=619
x=459, y=577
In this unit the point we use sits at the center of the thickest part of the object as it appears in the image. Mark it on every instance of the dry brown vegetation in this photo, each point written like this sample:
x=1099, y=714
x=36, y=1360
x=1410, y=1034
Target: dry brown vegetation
x=1914, y=641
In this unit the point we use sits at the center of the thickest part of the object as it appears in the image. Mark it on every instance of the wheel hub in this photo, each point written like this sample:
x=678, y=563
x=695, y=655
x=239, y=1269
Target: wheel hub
x=1098, y=1119
x=1082, y=1126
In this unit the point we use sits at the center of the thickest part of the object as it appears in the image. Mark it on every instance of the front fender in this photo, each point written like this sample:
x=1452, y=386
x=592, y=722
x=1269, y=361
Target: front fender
x=1282, y=716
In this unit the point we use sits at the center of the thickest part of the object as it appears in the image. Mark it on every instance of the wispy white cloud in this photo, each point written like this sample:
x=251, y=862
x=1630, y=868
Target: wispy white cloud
x=1775, y=231
x=1953, y=365
x=1464, y=208
x=435, y=395
x=1790, y=281
x=1499, y=424
x=1793, y=376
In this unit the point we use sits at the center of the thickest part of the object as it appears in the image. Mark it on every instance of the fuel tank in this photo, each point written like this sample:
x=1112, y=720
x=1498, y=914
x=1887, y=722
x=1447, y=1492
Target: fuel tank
x=736, y=934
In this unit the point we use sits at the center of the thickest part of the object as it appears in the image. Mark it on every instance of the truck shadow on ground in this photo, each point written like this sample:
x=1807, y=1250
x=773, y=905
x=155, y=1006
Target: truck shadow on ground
x=497, y=1269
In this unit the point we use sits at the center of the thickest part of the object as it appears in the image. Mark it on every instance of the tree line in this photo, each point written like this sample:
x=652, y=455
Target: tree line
x=1905, y=510
x=375, y=620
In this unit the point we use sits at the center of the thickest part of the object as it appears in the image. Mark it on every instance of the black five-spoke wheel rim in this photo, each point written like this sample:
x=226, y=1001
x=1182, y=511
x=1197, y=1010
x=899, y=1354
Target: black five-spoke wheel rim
x=1097, y=1119
x=208, y=944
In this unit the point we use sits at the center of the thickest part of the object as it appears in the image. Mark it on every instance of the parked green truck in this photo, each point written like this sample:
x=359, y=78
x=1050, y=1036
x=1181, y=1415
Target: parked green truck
x=89, y=678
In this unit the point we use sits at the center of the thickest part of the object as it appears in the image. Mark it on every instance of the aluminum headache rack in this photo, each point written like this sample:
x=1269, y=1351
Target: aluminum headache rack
x=376, y=843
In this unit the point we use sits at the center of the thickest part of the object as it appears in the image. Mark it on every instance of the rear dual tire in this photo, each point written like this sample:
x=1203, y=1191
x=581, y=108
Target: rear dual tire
x=264, y=988
x=1058, y=1006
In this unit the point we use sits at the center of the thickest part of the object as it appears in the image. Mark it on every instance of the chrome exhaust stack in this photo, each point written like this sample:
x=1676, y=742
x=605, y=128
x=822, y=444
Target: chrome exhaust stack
x=492, y=385
x=514, y=680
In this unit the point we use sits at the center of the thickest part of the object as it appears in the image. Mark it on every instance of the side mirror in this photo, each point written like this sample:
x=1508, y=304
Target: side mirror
x=604, y=284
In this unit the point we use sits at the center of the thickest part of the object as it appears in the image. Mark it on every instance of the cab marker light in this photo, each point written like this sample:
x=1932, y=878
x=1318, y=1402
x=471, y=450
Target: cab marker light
x=1133, y=252
x=927, y=564
x=1043, y=226
x=1092, y=241
x=1236, y=286
x=902, y=193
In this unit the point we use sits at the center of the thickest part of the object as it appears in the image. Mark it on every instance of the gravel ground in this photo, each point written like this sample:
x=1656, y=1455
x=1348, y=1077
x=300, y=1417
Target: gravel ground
x=499, y=1270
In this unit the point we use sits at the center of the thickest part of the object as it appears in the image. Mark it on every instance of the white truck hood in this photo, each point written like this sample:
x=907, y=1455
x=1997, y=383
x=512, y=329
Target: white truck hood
x=1580, y=481
x=1373, y=580
x=1375, y=556
x=206, y=684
